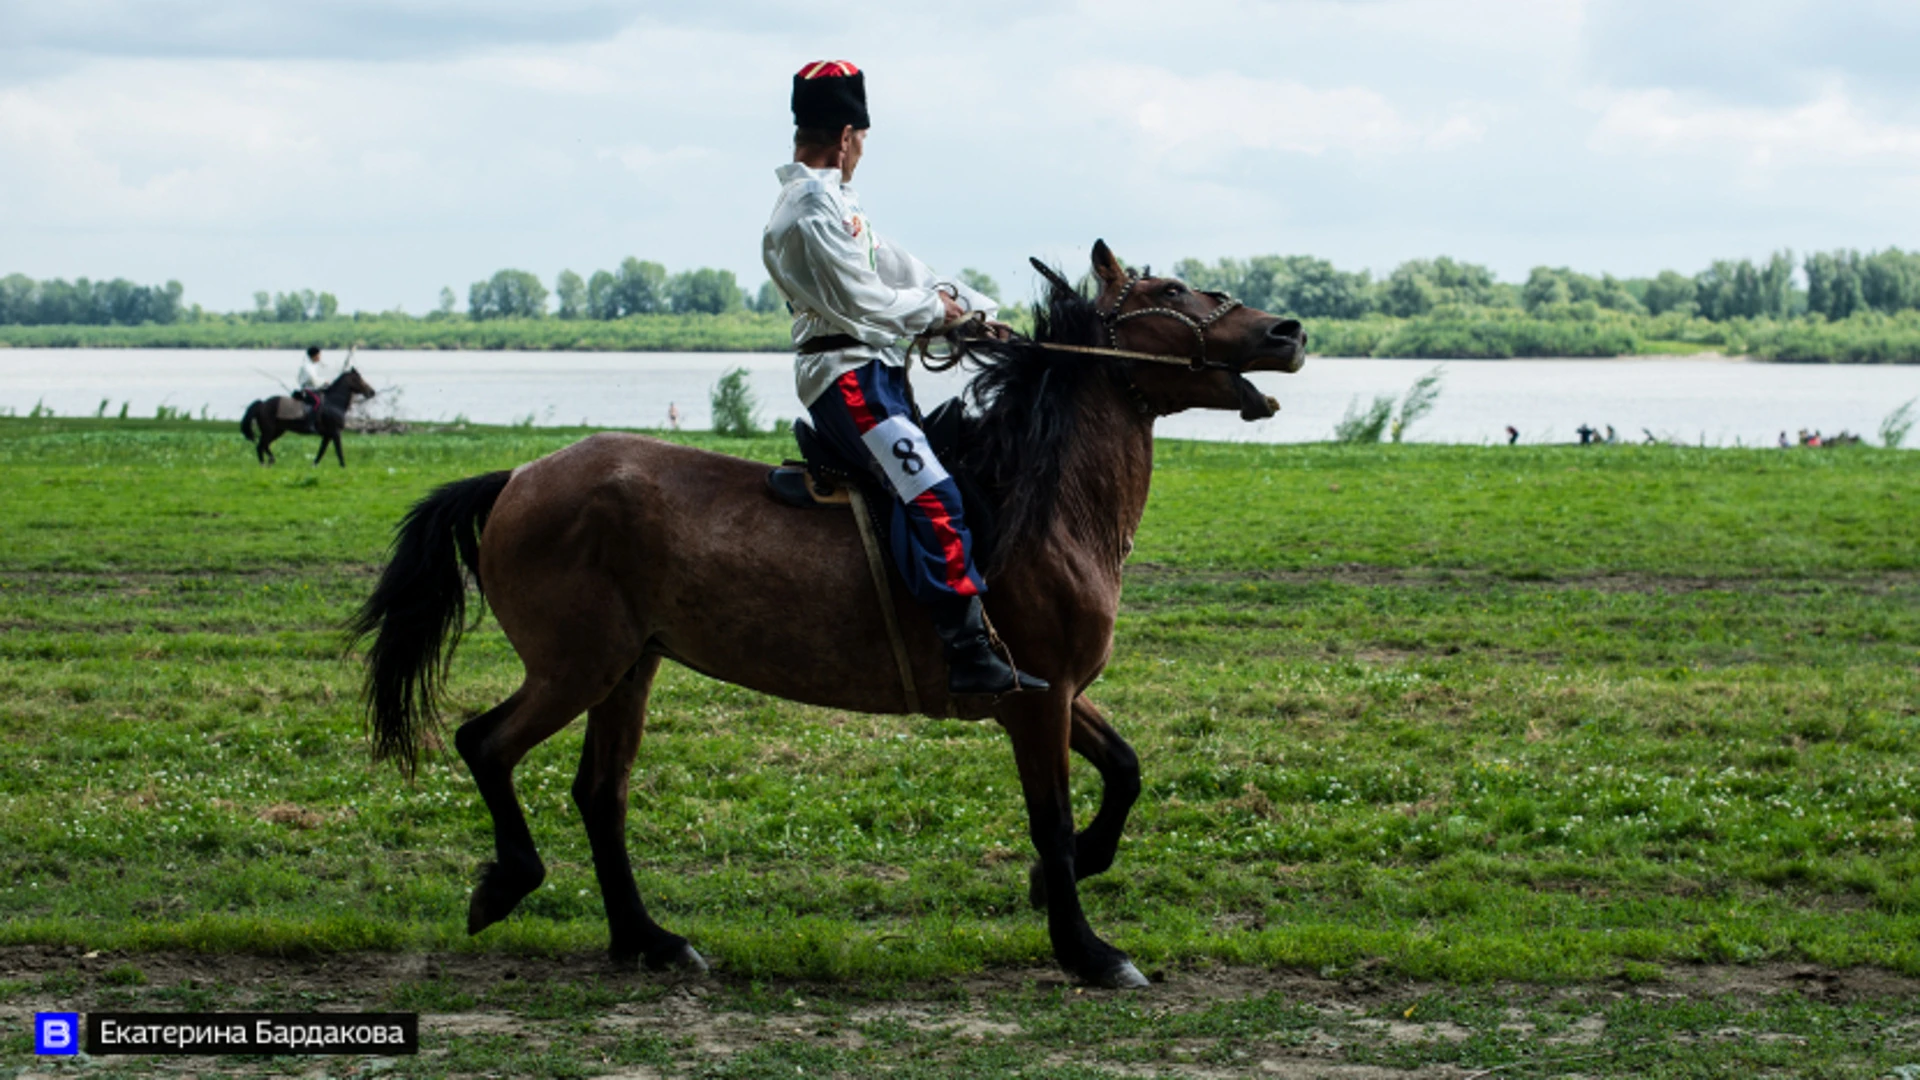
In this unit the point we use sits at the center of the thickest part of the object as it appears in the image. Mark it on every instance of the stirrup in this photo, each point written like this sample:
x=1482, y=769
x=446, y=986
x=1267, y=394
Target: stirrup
x=794, y=484
x=976, y=669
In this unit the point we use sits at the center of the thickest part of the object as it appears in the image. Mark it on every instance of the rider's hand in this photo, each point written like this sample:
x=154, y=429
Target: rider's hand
x=954, y=312
x=1000, y=331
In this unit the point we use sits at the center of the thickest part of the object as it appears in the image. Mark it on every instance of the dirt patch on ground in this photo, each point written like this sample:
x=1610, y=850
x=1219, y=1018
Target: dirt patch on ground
x=1357, y=1027
x=364, y=977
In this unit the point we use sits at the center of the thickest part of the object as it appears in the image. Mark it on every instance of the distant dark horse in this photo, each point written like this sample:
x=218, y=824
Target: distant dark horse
x=275, y=416
x=602, y=559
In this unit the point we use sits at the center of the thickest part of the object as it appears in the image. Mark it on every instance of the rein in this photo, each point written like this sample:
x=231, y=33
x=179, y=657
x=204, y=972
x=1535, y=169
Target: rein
x=962, y=344
x=961, y=336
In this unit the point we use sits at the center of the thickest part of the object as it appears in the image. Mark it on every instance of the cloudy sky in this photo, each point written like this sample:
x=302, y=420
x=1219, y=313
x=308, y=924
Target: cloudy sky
x=381, y=150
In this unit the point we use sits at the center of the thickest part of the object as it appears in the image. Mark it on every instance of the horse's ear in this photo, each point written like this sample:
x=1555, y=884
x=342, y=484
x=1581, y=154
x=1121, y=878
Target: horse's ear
x=1106, y=266
x=1053, y=276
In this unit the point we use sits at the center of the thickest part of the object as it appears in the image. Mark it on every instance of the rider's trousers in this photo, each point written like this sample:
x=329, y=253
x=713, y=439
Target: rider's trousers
x=867, y=416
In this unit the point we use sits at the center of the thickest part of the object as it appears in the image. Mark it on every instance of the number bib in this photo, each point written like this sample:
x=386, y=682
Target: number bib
x=901, y=449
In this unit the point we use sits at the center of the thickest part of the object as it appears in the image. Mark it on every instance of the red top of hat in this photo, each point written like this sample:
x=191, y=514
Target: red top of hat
x=828, y=69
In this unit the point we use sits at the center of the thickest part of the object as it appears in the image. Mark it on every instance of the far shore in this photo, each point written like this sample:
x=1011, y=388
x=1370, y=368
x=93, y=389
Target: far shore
x=1703, y=357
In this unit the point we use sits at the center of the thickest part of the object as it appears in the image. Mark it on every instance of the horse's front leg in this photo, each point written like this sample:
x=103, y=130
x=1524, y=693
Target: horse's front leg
x=614, y=727
x=339, y=454
x=1095, y=846
x=1041, y=732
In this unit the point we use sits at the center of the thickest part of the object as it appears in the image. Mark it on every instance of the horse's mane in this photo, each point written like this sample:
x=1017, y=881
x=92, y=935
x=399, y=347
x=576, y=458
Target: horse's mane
x=1025, y=396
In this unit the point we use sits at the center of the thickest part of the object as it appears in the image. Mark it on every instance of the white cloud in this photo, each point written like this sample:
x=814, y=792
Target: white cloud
x=1830, y=128
x=1458, y=130
x=644, y=160
x=1228, y=111
x=381, y=148
x=99, y=153
x=1224, y=111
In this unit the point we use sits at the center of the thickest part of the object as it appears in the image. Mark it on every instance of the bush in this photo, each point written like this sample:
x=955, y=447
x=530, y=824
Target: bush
x=1484, y=333
x=1364, y=427
x=1893, y=429
x=1864, y=338
x=1418, y=402
x=734, y=409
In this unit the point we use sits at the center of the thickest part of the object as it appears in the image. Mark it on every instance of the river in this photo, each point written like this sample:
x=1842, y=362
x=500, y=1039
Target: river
x=1712, y=400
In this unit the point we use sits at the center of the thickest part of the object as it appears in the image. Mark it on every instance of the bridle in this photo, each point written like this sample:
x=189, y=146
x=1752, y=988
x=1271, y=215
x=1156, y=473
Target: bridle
x=965, y=333
x=962, y=336
x=1223, y=304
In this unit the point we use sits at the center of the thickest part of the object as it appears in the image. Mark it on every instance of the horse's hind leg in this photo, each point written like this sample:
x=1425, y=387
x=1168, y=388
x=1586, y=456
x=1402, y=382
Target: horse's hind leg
x=1095, y=846
x=491, y=745
x=614, y=727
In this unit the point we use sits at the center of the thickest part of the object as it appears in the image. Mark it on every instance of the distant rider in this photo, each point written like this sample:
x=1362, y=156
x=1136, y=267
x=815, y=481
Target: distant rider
x=854, y=295
x=313, y=378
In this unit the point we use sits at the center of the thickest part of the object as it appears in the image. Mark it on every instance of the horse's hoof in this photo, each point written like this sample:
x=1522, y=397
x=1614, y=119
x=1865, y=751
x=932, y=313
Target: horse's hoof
x=497, y=895
x=1123, y=977
x=687, y=960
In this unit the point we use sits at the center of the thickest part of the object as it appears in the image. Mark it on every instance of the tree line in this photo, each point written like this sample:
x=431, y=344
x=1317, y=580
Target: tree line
x=635, y=287
x=1839, y=284
x=26, y=302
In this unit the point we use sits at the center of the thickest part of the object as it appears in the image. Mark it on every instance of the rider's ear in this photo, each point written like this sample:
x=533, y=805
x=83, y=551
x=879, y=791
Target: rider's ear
x=1106, y=266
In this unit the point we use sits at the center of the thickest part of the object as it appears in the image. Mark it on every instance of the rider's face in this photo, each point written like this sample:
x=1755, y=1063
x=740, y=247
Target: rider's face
x=853, y=143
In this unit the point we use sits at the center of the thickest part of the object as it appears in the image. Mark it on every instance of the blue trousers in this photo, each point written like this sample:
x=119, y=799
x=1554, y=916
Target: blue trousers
x=867, y=416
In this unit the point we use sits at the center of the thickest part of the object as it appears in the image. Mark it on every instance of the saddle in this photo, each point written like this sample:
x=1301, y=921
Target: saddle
x=291, y=407
x=823, y=477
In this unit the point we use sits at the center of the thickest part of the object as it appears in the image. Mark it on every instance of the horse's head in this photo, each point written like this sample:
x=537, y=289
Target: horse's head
x=354, y=382
x=1221, y=338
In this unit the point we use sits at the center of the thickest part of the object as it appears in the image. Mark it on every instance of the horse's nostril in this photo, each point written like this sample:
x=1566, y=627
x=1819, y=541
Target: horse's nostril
x=1286, y=328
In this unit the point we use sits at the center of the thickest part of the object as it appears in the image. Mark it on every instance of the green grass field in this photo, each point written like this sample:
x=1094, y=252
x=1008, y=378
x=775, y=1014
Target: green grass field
x=1454, y=718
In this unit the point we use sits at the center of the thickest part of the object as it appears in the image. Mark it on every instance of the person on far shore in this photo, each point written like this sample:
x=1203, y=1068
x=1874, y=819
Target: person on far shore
x=1612, y=435
x=1586, y=433
x=673, y=416
x=1513, y=434
x=1784, y=444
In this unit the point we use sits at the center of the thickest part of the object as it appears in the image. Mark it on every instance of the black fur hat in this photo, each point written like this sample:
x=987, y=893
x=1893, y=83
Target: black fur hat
x=829, y=95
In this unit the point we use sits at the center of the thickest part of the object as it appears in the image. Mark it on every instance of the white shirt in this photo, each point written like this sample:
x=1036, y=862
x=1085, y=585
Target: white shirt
x=840, y=277
x=312, y=376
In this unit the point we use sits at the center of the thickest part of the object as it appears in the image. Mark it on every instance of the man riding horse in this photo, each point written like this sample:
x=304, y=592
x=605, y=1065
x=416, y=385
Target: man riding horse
x=312, y=379
x=853, y=296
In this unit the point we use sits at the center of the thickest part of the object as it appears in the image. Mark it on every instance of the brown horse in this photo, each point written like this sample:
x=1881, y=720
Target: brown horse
x=327, y=421
x=604, y=558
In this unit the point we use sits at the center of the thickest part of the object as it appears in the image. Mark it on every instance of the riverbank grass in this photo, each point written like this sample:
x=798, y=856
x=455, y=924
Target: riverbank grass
x=1460, y=714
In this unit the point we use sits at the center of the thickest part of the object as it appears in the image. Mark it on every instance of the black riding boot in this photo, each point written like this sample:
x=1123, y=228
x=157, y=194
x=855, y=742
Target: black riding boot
x=973, y=667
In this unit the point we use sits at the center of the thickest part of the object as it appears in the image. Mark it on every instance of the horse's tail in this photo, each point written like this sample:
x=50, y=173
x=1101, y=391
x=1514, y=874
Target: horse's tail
x=246, y=422
x=417, y=612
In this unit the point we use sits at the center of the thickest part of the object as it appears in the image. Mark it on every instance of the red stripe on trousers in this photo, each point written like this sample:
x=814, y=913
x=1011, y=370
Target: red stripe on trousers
x=865, y=417
x=951, y=550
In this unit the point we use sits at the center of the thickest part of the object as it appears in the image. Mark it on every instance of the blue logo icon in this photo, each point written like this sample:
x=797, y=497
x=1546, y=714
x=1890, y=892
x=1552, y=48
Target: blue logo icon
x=56, y=1033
